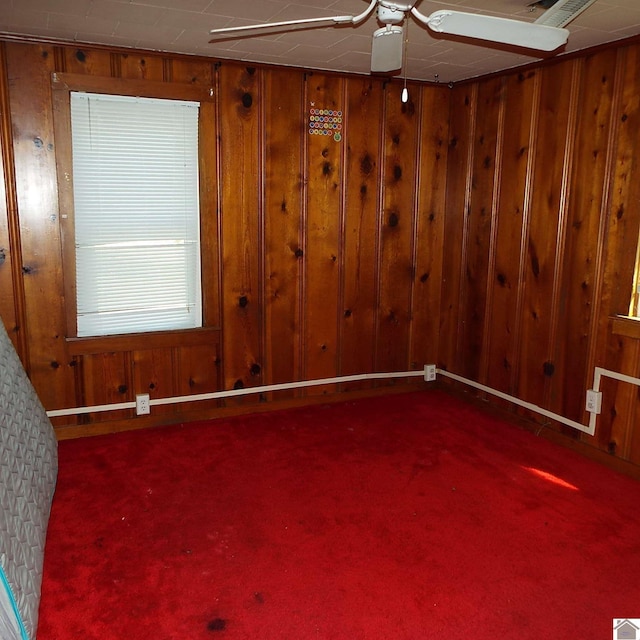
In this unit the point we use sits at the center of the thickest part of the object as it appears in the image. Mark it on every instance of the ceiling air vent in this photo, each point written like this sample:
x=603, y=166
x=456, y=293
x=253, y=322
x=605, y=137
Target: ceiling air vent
x=563, y=12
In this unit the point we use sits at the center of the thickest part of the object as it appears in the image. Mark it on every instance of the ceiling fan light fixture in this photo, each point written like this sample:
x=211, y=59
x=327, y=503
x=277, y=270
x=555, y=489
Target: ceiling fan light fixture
x=386, y=49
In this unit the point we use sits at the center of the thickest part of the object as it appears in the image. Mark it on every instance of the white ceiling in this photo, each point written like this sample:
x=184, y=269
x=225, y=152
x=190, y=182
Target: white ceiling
x=182, y=26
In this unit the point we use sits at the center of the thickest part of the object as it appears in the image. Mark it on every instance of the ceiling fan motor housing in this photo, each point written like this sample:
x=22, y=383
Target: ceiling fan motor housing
x=390, y=12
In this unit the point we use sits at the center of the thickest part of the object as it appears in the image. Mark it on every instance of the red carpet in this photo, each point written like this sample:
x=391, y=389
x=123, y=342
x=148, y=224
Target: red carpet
x=403, y=517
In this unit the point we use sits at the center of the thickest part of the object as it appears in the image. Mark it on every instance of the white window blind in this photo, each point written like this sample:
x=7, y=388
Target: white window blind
x=137, y=228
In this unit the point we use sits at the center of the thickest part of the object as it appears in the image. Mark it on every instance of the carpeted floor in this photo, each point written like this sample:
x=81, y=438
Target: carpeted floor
x=403, y=517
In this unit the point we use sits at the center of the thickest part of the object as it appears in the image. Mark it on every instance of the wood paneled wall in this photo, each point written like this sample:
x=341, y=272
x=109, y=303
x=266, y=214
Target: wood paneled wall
x=541, y=230
x=490, y=228
x=313, y=265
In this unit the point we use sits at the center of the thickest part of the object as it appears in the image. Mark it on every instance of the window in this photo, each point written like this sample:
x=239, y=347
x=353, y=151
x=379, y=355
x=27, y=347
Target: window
x=136, y=214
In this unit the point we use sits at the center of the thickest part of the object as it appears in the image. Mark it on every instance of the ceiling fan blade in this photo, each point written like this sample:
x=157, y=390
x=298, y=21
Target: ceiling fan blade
x=240, y=31
x=502, y=30
x=230, y=32
x=386, y=49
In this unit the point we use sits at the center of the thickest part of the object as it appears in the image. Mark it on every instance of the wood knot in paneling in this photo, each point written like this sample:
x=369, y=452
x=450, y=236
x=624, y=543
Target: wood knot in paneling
x=366, y=164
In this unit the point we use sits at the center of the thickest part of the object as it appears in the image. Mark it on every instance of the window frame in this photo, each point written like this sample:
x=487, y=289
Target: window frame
x=62, y=86
x=634, y=304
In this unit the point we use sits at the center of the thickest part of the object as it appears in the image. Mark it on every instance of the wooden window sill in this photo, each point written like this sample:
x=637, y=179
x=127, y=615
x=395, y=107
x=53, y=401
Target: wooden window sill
x=626, y=326
x=142, y=341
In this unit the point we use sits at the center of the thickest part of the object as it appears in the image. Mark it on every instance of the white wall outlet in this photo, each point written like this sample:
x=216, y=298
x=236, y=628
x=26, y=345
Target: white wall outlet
x=142, y=404
x=429, y=372
x=594, y=401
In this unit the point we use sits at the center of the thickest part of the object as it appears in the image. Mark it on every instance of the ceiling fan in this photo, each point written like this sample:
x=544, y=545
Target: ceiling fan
x=388, y=40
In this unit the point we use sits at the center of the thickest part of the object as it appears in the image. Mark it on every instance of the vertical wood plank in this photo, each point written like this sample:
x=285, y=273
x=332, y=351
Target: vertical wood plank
x=285, y=127
x=197, y=370
x=633, y=432
x=139, y=66
x=624, y=219
x=429, y=252
x=322, y=241
x=153, y=373
x=502, y=359
x=396, y=232
x=10, y=260
x=617, y=434
x=239, y=104
x=580, y=257
x=209, y=223
x=459, y=157
x=7, y=299
x=193, y=71
x=106, y=379
x=536, y=321
x=29, y=71
x=96, y=62
x=360, y=274
x=475, y=294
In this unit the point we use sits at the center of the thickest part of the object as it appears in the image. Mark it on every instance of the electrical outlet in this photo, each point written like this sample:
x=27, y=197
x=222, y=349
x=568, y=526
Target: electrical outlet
x=429, y=372
x=594, y=401
x=142, y=404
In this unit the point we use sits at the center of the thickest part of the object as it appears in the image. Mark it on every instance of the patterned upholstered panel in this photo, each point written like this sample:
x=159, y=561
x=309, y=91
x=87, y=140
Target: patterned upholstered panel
x=28, y=469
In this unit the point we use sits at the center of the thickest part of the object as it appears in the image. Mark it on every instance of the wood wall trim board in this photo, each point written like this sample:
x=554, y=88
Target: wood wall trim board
x=625, y=326
x=131, y=87
x=137, y=341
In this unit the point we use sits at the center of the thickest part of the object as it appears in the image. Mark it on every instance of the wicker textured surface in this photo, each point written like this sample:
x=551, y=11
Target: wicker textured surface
x=28, y=469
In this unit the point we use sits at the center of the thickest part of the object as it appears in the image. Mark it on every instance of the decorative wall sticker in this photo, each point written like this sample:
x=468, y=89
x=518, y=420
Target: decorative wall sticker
x=325, y=122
